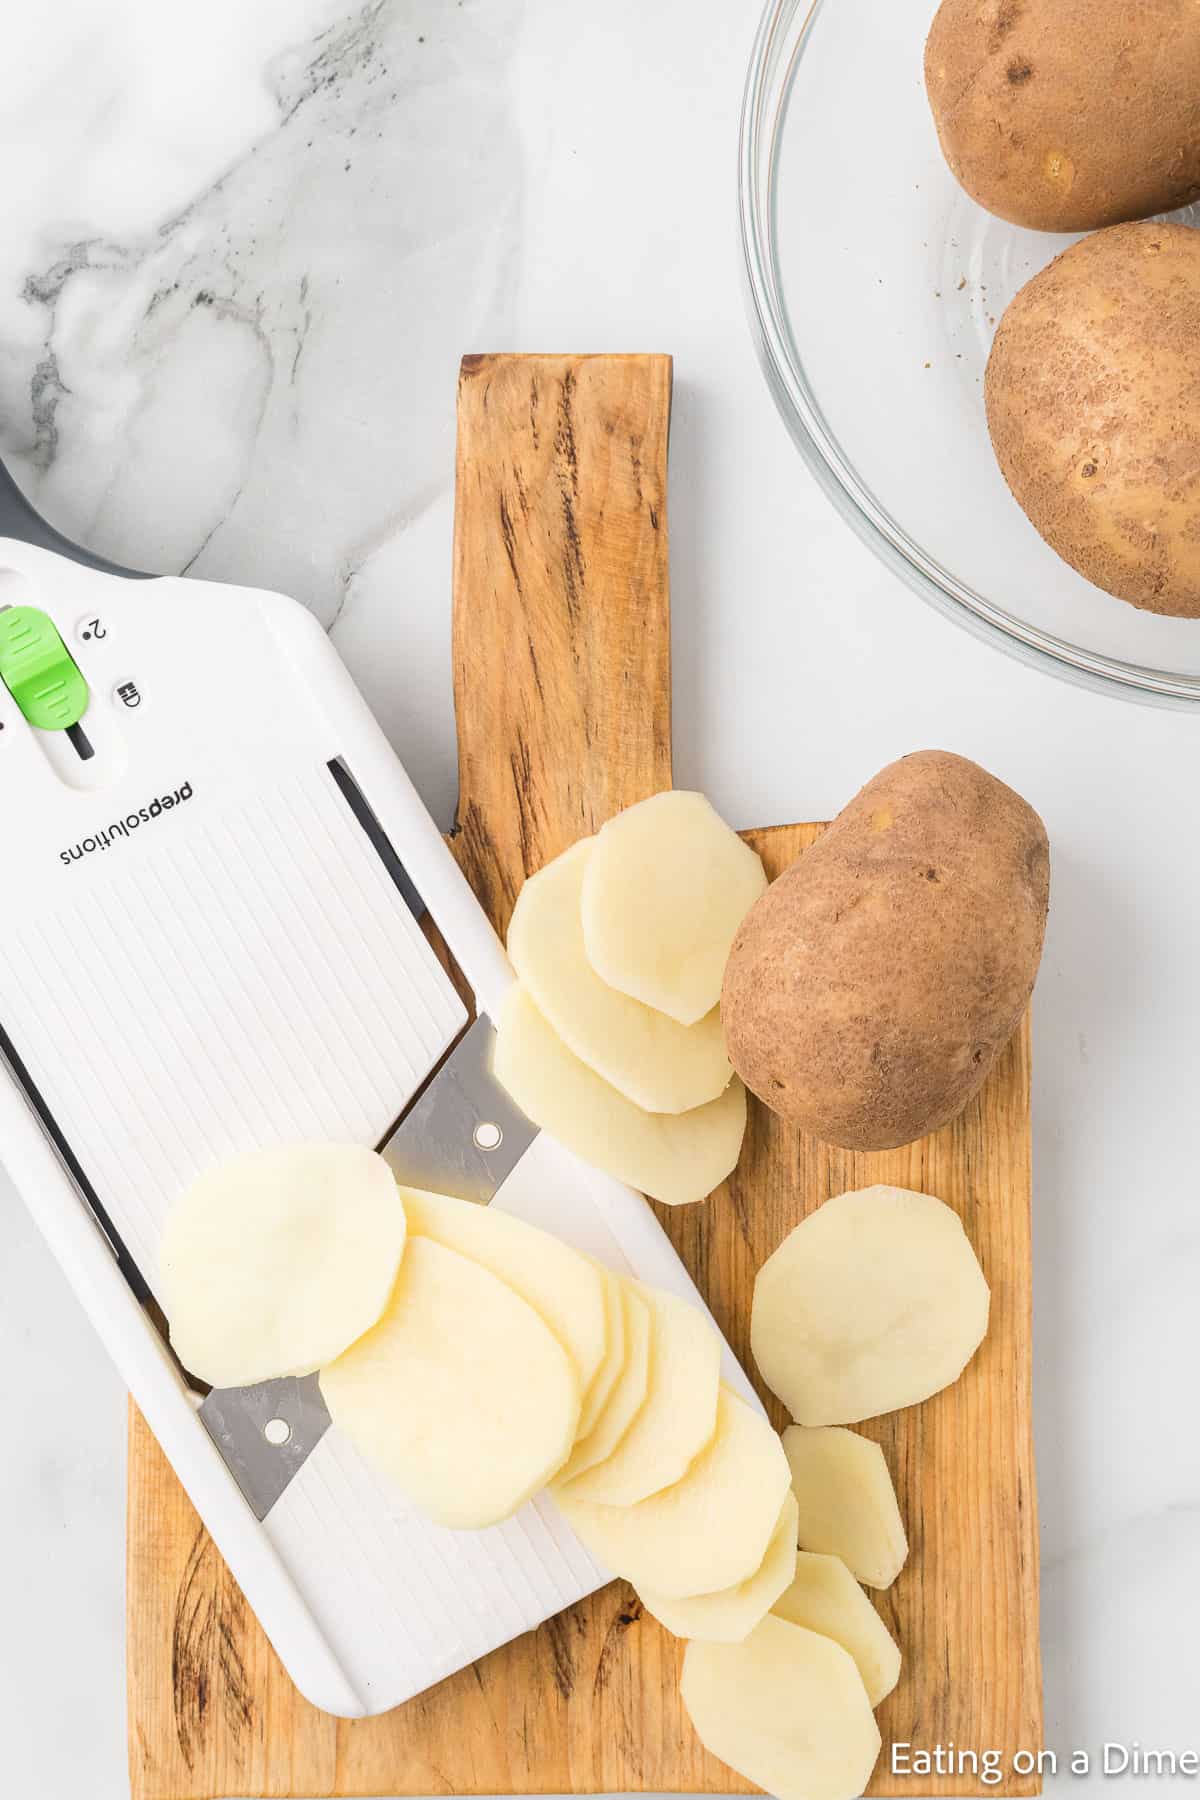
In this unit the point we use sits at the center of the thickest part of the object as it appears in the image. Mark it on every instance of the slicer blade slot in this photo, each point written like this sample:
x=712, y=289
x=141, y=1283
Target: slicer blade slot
x=75, y=1169
x=380, y=842
x=80, y=742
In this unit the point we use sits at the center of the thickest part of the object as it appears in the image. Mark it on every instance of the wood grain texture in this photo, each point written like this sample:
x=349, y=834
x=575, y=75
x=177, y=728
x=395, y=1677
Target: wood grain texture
x=562, y=639
x=562, y=670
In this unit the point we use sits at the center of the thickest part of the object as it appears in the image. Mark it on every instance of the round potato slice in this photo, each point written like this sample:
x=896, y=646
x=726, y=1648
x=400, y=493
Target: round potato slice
x=874, y=1302
x=652, y=1059
x=460, y=1394
x=731, y=1614
x=609, y=1373
x=710, y=1530
x=273, y=1263
x=847, y=1501
x=627, y=1395
x=787, y=1709
x=825, y=1597
x=674, y=1157
x=665, y=888
x=679, y=1414
x=565, y=1289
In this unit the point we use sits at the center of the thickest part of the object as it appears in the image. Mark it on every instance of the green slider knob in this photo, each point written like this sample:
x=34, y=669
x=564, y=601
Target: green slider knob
x=39, y=671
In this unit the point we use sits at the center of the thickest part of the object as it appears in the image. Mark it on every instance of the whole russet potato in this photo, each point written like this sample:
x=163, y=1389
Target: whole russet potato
x=1093, y=404
x=870, y=990
x=1066, y=115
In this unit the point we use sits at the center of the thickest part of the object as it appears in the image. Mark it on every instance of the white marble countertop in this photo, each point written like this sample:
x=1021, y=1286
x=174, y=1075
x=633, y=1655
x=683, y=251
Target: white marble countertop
x=244, y=249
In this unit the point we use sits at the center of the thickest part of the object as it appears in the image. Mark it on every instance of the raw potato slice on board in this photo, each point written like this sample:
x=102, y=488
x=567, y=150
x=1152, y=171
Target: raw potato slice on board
x=673, y=1157
x=875, y=1301
x=609, y=1373
x=461, y=1394
x=825, y=1597
x=653, y=1060
x=847, y=1501
x=731, y=1614
x=665, y=889
x=710, y=1530
x=273, y=1263
x=627, y=1394
x=786, y=1708
x=565, y=1289
x=679, y=1414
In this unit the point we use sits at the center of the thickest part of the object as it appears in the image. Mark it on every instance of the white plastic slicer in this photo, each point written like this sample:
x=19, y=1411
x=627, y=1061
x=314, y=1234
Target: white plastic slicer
x=212, y=941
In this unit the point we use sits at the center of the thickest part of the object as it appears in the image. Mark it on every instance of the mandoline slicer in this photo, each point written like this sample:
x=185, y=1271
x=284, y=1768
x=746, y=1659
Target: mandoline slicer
x=212, y=914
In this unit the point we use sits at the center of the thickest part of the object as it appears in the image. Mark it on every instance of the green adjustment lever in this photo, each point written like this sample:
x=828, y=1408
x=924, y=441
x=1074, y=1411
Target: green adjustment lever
x=39, y=671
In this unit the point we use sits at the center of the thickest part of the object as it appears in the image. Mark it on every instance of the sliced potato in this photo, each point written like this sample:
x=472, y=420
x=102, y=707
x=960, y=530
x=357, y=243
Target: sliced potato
x=825, y=1597
x=627, y=1394
x=273, y=1263
x=605, y=1379
x=710, y=1530
x=787, y=1709
x=564, y=1288
x=847, y=1502
x=664, y=891
x=652, y=1059
x=874, y=1302
x=731, y=1614
x=673, y=1157
x=461, y=1394
x=679, y=1414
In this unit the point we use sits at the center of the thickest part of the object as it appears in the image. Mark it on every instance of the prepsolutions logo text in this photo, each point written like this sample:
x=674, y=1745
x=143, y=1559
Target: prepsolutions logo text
x=123, y=828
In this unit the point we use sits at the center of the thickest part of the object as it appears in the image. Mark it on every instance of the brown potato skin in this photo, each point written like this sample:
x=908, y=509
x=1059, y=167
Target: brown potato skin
x=1093, y=404
x=870, y=990
x=1066, y=115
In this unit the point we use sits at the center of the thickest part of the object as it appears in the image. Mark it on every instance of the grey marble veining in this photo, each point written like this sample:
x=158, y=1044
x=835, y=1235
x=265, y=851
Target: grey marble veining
x=254, y=388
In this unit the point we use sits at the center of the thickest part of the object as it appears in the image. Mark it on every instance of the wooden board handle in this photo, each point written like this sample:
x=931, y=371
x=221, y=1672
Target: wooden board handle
x=562, y=624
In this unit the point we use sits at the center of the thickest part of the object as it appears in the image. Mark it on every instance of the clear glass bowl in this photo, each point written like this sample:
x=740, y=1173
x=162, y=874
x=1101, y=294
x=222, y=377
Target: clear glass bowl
x=875, y=285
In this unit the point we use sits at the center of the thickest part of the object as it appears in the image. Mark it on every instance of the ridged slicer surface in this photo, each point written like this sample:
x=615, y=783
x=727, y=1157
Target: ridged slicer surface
x=259, y=980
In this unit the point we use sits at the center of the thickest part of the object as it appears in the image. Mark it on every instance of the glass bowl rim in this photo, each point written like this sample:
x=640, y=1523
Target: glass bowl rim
x=765, y=100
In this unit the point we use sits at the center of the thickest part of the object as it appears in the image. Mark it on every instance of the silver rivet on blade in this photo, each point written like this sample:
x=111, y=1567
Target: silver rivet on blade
x=266, y=1434
x=462, y=1135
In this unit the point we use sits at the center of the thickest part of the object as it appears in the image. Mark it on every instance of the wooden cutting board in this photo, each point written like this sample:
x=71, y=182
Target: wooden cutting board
x=562, y=683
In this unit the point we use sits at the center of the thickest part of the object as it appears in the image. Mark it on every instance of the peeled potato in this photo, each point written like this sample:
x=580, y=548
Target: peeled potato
x=273, y=1263
x=664, y=891
x=825, y=1597
x=627, y=1395
x=565, y=1289
x=678, y=1416
x=787, y=1709
x=874, y=1302
x=461, y=1394
x=710, y=1530
x=847, y=1501
x=596, y=1396
x=731, y=1614
x=653, y=1060
x=673, y=1157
